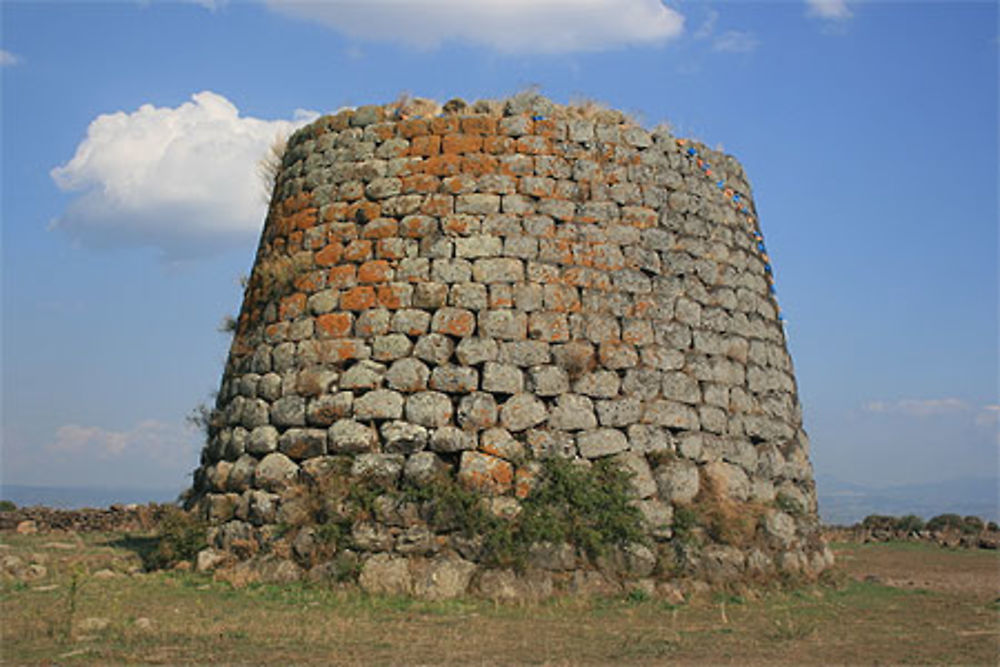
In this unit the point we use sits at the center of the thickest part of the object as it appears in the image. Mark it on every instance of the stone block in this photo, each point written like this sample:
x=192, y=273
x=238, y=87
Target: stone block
x=522, y=411
x=601, y=442
x=485, y=473
x=378, y=404
x=429, y=408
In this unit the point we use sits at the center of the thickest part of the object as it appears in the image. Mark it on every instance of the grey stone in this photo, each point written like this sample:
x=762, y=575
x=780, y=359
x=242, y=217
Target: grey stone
x=502, y=378
x=598, y=384
x=347, y=436
x=408, y=375
x=499, y=442
x=548, y=380
x=381, y=468
x=417, y=540
x=429, y=408
x=677, y=481
x=450, y=439
x=423, y=468
x=410, y=322
x=454, y=379
x=498, y=269
x=503, y=324
x=326, y=409
x=659, y=517
x=262, y=440
x=573, y=412
x=474, y=351
x=444, y=579
x=471, y=296
x=391, y=346
x=477, y=204
x=525, y=353
x=434, y=348
x=477, y=411
x=289, y=411
x=649, y=439
x=379, y=404
x=241, y=474
x=671, y=414
x=365, y=374
x=545, y=444
x=478, y=245
x=522, y=411
x=275, y=472
x=314, y=381
x=400, y=437
x=383, y=574
x=780, y=527
x=303, y=443
x=556, y=557
x=727, y=480
x=679, y=386
x=601, y=442
x=619, y=412
x=640, y=475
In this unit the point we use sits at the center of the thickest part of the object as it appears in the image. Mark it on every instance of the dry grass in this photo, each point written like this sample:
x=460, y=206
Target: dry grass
x=194, y=619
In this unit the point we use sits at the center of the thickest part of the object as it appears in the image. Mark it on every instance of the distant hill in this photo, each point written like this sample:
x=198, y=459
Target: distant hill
x=845, y=503
x=68, y=497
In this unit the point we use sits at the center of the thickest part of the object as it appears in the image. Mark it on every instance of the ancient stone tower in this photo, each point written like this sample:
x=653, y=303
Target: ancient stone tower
x=453, y=303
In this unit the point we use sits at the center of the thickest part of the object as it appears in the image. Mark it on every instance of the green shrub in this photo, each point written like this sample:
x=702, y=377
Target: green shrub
x=972, y=525
x=944, y=521
x=7, y=506
x=911, y=523
x=179, y=537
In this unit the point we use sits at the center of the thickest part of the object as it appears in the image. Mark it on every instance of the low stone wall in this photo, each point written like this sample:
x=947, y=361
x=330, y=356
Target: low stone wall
x=117, y=518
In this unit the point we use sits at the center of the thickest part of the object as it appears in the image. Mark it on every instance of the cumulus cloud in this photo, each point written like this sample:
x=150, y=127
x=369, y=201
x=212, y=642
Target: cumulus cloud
x=735, y=41
x=508, y=26
x=8, y=59
x=182, y=179
x=833, y=10
x=150, y=440
x=913, y=407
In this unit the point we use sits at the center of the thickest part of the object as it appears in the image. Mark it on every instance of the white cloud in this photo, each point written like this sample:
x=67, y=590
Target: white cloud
x=834, y=10
x=735, y=41
x=182, y=179
x=150, y=440
x=913, y=407
x=8, y=59
x=509, y=26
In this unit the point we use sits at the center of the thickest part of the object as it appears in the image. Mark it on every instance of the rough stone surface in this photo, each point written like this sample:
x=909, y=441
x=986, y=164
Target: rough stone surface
x=463, y=293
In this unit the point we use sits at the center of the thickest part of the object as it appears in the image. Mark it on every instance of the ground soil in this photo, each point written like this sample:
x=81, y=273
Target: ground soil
x=885, y=604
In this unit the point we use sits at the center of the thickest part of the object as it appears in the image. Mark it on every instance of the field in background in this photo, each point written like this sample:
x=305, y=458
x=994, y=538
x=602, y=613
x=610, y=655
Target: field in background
x=886, y=603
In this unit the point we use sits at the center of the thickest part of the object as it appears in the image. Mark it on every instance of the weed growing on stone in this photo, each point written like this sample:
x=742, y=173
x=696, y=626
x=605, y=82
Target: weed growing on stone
x=180, y=536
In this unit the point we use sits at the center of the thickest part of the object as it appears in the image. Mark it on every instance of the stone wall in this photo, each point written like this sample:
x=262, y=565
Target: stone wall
x=470, y=293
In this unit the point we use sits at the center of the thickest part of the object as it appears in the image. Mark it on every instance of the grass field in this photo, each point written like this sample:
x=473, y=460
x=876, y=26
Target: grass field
x=889, y=603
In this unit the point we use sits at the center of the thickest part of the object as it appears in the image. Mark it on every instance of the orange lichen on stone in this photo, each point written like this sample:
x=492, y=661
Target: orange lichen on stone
x=380, y=228
x=524, y=482
x=438, y=205
x=461, y=143
x=309, y=282
x=456, y=225
x=358, y=298
x=455, y=322
x=479, y=163
x=335, y=211
x=330, y=255
x=349, y=348
x=641, y=217
x=444, y=124
x=416, y=127
x=383, y=131
x=442, y=165
x=534, y=145
x=479, y=125
x=374, y=271
x=421, y=183
x=334, y=325
x=425, y=146
x=485, y=473
x=343, y=275
x=581, y=276
x=363, y=211
x=394, y=296
x=499, y=145
x=392, y=248
x=292, y=306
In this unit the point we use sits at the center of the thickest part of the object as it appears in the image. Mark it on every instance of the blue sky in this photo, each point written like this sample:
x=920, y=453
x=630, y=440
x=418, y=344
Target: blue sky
x=130, y=206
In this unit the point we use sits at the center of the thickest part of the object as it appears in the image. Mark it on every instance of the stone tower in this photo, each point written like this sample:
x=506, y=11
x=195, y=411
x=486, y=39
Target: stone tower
x=460, y=300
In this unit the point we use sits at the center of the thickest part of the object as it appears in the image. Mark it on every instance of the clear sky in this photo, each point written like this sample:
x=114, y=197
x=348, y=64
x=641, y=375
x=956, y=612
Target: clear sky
x=130, y=204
